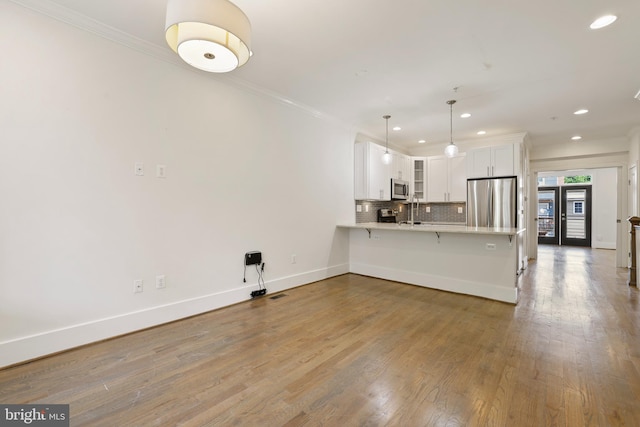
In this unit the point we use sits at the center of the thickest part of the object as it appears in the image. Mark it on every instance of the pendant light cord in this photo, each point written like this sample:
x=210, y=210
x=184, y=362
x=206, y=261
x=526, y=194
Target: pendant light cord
x=386, y=147
x=451, y=102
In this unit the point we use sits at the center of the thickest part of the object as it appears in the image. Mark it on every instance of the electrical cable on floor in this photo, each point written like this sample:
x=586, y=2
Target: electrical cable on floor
x=260, y=278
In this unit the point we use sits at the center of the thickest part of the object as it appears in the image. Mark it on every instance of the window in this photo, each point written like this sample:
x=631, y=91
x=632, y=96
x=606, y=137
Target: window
x=577, y=207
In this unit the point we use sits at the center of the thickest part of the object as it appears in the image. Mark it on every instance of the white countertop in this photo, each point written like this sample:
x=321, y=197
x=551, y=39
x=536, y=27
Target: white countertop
x=435, y=228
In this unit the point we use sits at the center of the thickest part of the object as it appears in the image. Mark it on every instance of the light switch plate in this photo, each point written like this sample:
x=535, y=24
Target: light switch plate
x=459, y=209
x=138, y=168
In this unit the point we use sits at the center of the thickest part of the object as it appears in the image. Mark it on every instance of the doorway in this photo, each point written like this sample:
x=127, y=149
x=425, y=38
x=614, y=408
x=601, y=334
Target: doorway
x=564, y=215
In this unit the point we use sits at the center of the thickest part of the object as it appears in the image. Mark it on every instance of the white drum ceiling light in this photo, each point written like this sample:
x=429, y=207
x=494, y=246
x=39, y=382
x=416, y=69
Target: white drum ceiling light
x=211, y=35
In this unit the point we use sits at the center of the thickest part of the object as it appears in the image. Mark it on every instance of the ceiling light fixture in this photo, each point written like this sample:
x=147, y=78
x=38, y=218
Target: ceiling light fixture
x=422, y=141
x=482, y=132
x=211, y=35
x=396, y=128
x=603, y=21
x=451, y=149
x=582, y=111
x=386, y=157
x=576, y=138
x=637, y=96
x=465, y=115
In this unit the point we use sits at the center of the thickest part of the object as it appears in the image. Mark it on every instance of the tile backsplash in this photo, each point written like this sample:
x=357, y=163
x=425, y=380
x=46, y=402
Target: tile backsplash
x=440, y=212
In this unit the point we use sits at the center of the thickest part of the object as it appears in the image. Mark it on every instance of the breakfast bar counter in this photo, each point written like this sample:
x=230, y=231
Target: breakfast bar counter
x=477, y=261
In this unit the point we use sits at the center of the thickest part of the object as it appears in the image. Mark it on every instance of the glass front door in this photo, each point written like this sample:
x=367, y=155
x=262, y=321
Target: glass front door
x=576, y=215
x=548, y=212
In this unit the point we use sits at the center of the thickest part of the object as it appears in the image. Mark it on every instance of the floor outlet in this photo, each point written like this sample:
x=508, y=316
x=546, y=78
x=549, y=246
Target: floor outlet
x=160, y=282
x=138, y=286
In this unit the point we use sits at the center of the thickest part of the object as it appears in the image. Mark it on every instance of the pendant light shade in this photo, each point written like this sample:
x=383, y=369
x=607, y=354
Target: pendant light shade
x=211, y=35
x=386, y=157
x=452, y=149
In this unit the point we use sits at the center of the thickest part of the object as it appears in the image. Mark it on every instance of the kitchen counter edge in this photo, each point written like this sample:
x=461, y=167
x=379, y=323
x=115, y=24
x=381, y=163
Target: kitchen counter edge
x=431, y=228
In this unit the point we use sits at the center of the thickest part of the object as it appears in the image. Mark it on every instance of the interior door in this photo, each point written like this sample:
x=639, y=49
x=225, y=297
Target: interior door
x=548, y=215
x=576, y=215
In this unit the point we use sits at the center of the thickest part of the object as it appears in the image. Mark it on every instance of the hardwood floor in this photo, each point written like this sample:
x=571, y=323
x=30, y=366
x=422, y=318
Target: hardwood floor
x=357, y=351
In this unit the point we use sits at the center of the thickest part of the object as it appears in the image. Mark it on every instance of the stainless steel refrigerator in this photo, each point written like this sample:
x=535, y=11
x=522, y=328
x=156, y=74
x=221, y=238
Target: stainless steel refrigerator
x=491, y=202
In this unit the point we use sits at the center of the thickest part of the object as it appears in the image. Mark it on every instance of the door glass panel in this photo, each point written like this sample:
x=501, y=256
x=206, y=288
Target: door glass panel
x=576, y=224
x=546, y=213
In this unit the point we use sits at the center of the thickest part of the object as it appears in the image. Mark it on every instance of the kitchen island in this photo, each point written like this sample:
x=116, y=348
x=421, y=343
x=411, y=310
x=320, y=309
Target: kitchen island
x=478, y=261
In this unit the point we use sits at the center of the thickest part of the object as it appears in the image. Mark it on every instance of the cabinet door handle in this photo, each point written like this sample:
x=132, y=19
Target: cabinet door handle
x=492, y=170
x=488, y=171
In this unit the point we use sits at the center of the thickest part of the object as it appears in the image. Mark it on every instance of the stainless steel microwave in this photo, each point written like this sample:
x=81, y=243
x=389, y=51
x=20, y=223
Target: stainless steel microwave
x=399, y=189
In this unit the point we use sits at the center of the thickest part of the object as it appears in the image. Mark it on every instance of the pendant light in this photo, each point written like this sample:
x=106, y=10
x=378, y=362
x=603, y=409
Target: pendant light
x=452, y=149
x=211, y=35
x=386, y=157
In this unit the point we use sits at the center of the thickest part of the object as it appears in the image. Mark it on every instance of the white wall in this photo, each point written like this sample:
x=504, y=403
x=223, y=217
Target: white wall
x=604, y=213
x=245, y=172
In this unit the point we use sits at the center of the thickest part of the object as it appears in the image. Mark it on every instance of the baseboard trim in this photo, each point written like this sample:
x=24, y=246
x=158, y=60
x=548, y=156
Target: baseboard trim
x=35, y=346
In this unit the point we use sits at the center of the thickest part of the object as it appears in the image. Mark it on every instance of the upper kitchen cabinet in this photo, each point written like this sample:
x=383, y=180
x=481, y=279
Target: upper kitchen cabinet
x=446, y=179
x=372, y=177
x=400, y=166
x=419, y=178
x=500, y=160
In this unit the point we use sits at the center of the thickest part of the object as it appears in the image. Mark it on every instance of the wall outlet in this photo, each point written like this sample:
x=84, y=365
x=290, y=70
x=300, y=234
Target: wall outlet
x=161, y=171
x=491, y=246
x=294, y=258
x=366, y=208
x=428, y=209
x=161, y=283
x=358, y=208
x=459, y=209
x=138, y=286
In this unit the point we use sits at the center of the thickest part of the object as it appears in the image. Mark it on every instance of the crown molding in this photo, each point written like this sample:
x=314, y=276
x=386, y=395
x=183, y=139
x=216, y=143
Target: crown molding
x=90, y=25
x=163, y=53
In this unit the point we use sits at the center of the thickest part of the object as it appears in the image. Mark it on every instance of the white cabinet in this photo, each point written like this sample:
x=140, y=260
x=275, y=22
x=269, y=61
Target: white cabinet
x=372, y=177
x=493, y=161
x=446, y=179
x=400, y=166
x=419, y=178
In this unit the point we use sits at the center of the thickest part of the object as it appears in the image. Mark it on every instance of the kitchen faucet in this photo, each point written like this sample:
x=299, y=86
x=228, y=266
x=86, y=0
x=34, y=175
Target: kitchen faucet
x=414, y=197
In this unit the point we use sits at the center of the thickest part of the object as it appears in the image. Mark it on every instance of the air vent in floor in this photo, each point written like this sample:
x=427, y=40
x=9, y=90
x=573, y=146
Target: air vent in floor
x=278, y=296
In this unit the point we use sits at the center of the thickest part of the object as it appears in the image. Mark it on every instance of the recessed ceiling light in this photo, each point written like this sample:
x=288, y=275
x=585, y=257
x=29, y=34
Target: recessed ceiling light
x=576, y=138
x=603, y=21
x=465, y=115
x=482, y=132
x=582, y=111
x=397, y=128
x=422, y=141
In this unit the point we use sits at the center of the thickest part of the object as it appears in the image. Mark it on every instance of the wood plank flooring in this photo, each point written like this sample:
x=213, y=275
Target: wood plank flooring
x=357, y=351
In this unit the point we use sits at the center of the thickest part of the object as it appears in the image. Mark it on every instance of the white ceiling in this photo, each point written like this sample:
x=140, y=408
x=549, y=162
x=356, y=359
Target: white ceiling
x=522, y=66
